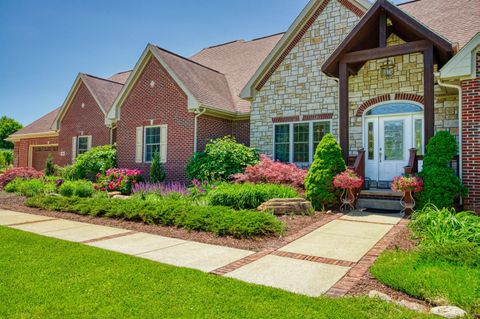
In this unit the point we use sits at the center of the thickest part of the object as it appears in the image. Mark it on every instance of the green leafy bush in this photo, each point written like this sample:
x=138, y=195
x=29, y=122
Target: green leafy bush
x=441, y=186
x=157, y=171
x=49, y=166
x=76, y=188
x=27, y=187
x=95, y=161
x=169, y=211
x=248, y=196
x=7, y=157
x=222, y=158
x=327, y=163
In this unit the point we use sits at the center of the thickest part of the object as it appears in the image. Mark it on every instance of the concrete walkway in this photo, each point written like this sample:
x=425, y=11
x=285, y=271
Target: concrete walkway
x=310, y=265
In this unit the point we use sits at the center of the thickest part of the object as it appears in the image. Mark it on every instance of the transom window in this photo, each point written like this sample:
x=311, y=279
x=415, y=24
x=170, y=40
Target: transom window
x=395, y=108
x=297, y=142
x=82, y=144
x=151, y=142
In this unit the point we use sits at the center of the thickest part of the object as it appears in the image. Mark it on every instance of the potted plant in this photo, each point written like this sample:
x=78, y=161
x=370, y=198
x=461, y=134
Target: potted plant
x=407, y=185
x=348, y=181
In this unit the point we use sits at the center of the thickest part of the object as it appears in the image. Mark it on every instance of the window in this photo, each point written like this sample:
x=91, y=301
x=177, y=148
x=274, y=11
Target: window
x=371, y=141
x=152, y=142
x=419, y=136
x=83, y=144
x=282, y=142
x=395, y=108
x=297, y=142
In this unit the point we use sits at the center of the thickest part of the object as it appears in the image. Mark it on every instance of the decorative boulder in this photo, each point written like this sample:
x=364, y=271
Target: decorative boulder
x=121, y=196
x=113, y=194
x=448, y=311
x=285, y=206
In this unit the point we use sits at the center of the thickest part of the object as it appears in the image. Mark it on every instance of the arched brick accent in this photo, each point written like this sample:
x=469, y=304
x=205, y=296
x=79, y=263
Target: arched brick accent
x=388, y=97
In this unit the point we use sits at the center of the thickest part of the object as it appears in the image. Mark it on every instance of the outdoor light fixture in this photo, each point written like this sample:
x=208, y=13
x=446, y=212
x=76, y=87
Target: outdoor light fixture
x=388, y=69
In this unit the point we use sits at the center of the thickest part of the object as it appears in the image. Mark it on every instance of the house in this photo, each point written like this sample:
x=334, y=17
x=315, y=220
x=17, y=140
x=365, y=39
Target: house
x=381, y=78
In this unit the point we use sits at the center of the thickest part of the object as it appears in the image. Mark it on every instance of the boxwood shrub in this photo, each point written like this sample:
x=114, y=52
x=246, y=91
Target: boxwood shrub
x=78, y=188
x=169, y=211
x=248, y=196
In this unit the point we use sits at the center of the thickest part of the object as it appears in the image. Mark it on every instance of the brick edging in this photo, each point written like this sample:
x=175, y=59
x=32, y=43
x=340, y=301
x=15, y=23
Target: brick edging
x=356, y=273
x=317, y=259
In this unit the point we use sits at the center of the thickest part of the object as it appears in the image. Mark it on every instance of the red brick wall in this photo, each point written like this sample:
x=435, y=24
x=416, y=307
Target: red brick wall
x=210, y=128
x=88, y=120
x=21, y=149
x=165, y=103
x=471, y=140
x=241, y=131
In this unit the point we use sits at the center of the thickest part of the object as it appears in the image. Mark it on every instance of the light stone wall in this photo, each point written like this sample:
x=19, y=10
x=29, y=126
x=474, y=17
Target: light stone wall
x=298, y=86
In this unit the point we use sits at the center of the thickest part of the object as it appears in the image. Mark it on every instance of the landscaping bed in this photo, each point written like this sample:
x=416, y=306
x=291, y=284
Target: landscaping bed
x=293, y=224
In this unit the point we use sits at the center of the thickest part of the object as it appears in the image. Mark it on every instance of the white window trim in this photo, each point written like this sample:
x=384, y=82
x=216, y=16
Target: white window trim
x=144, y=144
x=291, y=144
x=89, y=141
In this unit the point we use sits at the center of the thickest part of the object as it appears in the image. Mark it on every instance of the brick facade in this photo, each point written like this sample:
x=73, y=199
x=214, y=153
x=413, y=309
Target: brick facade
x=213, y=127
x=83, y=117
x=470, y=139
x=22, y=149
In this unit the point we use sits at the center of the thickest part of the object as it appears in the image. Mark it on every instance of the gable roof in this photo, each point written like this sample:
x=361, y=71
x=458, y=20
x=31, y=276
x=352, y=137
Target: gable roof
x=294, y=34
x=40, y=126
x=457, y=20
x=365, y=35
x=238, y=61
x=120, y=77
x=464, y=64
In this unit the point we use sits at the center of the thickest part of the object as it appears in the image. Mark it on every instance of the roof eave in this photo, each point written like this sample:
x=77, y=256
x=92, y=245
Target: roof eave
x=17, y=137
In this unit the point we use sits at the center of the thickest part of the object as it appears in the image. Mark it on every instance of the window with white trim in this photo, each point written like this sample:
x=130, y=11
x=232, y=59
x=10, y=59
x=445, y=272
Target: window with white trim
x=296, y=142
x=83, y=144
x=151, y=142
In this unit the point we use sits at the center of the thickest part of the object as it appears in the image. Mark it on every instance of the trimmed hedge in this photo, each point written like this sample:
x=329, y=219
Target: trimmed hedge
x=30, y=187
x=248, y=196
x=221, y=221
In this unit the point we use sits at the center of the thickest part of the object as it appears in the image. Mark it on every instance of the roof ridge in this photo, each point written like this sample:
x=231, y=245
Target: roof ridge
x=103, y=79
x=189, y=60
x=225, y=43
x=267, y=36
x=407, y=2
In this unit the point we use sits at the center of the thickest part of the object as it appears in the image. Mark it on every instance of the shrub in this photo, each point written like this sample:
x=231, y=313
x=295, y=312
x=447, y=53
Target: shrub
x=441, y=186
x=222, y=221
x=270, y=171
x=222, y=158
x=163, y=189
x=18, y=172
x=445, y=226
x=7, y=156
x=157, y=171
x=49, y=166
x=76, y=188
x=327, y=163
x=248, y=196
x=118, y=179
x=26, y=187
x=95, y=161
x=467, y=254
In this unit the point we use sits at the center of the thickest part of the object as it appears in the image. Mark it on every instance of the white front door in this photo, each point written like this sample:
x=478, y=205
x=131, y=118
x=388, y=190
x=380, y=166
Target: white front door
x=395, y=139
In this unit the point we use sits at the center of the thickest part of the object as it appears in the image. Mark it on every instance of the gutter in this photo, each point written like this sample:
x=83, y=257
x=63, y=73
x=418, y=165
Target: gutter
x=459, y=90
x=198, y=112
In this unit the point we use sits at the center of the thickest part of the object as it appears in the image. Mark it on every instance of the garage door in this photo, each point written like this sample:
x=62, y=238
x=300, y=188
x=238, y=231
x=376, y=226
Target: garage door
x=40, y=154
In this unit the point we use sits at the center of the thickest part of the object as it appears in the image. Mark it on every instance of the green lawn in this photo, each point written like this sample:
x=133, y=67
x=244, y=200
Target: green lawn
x=42, y=277
x=438, y=281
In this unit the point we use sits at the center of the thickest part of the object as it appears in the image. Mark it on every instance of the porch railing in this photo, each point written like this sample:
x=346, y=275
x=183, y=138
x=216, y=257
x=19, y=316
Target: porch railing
x=412, y=167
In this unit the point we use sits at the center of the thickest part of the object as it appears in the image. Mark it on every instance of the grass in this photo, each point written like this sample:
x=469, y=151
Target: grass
x=436, y=281
x=47, y=278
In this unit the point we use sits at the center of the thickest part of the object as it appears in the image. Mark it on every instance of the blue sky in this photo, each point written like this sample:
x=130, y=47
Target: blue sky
x=44, y=44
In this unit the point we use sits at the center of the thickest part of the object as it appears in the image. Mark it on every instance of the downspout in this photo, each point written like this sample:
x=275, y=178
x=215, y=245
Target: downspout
x=198, y=112
x=459, y=89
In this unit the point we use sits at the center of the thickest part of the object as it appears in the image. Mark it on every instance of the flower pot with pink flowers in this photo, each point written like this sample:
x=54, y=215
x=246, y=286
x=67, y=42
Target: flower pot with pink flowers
x=407, y=185
x=349, y=182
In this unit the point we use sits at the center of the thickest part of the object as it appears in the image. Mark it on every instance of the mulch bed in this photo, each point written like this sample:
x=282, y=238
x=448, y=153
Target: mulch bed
x=402, y=241
x=294, y=225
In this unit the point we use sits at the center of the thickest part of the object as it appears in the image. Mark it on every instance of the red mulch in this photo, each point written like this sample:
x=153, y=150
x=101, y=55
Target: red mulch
x=294, y=225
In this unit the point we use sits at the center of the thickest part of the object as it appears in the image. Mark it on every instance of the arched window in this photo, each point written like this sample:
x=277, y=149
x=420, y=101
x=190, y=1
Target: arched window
x=395, y=108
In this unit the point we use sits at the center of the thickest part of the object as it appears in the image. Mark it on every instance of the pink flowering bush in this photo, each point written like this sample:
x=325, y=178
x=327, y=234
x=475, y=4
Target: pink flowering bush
x=18, y=172
x=119, y=179
x=201, y=188
x=347, y=179
x=407, y=184
x=270, y=171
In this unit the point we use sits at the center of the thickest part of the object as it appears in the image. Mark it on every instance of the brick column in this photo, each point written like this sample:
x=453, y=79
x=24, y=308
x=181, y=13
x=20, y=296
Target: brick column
x=471, y=139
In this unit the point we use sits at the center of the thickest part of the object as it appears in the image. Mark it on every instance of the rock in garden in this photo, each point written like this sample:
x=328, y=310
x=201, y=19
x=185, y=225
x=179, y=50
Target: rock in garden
x=411, y=305
x=113, y=194
x=448, y=312
x=283, y=206
x=379, y=295
x=119, y=196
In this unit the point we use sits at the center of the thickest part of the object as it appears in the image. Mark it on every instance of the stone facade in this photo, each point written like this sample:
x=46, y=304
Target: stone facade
x=298, y=87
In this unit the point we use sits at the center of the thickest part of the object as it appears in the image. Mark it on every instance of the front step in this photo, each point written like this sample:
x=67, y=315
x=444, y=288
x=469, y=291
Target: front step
x=379, y=200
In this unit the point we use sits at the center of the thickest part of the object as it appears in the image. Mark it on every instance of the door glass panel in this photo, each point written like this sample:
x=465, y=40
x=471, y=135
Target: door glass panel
x=395, y=108
x=282, y=142
x=300, y=143
x=371, y=142
x=393, y=140
x=418, y=136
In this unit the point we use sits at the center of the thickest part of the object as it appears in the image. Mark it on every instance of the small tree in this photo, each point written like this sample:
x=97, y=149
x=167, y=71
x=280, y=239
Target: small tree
x=157, y=171
x=49, y=166
x=441, y=186
x=8, y=126
x=327, y=163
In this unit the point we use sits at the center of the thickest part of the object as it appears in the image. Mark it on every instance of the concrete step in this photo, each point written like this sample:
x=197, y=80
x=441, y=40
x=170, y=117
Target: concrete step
x=380, y=204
